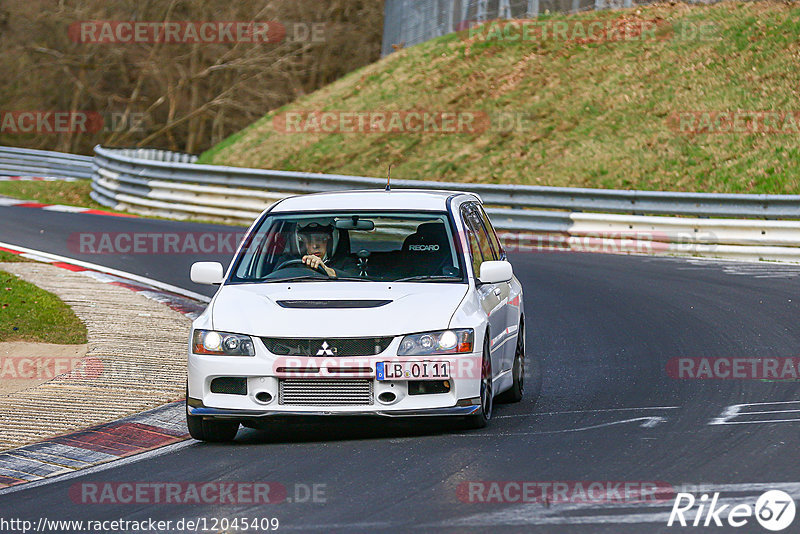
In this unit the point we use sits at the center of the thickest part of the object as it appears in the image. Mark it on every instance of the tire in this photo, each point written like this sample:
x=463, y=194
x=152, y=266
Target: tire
x=212, y=431
x=480, y=418
x=518, y=370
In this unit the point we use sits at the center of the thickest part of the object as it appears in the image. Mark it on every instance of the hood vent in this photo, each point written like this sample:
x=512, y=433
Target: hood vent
x=313, y=304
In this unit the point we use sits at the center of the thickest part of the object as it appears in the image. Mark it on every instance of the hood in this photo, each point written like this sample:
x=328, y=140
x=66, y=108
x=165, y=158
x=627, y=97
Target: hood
x=335, y=309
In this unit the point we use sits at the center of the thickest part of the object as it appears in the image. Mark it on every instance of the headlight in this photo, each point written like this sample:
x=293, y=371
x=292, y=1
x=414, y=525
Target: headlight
x=441, y=342
x=221, y=343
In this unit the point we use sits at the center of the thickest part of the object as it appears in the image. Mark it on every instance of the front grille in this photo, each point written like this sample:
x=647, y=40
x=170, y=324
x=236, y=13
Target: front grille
x=325, y=392
x=229, y=385
x=353, y=346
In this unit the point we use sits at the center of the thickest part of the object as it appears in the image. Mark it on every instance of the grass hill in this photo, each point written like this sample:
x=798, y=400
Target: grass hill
x=635, y=112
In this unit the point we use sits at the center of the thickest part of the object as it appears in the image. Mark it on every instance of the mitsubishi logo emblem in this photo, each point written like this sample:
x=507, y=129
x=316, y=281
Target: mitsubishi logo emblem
x=325, y=350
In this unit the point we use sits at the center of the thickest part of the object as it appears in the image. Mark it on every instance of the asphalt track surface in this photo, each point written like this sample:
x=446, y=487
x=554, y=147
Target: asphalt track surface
x=603, y=326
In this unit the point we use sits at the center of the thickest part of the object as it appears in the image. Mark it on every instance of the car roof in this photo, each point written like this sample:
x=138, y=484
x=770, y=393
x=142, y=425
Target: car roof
x=371, y=199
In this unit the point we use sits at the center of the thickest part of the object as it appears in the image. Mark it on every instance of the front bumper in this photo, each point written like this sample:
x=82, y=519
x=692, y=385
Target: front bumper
x=265, y=371
x=463, y=407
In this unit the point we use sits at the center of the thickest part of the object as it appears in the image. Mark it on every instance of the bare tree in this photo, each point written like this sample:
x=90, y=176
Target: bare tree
x=182, y=96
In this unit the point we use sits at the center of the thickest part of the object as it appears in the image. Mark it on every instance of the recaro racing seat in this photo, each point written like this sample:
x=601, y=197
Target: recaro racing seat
x=427, y=251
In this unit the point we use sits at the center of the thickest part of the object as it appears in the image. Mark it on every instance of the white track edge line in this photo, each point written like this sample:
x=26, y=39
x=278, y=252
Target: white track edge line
x=107, y=270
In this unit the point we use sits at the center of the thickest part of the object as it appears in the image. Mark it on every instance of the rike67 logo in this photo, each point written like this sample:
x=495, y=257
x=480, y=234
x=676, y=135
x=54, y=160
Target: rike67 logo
x=774, y=510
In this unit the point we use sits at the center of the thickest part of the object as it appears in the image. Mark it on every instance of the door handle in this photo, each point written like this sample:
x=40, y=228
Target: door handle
x=497, y=292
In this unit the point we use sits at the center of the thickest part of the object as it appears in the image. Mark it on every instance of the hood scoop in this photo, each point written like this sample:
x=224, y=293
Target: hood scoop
x=340, y=304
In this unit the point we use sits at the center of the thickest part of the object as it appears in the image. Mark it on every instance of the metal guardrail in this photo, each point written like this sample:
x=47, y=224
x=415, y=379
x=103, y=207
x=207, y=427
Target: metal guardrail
x=159, y=182
x=170, y=184
x=155, y=154
x=29, y=162
x=138, y=171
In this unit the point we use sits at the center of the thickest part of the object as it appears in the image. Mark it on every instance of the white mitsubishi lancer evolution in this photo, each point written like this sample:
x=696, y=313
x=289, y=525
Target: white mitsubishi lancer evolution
x=382, y=303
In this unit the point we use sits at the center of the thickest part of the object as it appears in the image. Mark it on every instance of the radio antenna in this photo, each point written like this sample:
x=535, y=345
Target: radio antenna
x=389, y=179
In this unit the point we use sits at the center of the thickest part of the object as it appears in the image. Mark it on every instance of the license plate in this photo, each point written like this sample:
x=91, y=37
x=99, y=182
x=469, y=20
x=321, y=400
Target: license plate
x=424, y=370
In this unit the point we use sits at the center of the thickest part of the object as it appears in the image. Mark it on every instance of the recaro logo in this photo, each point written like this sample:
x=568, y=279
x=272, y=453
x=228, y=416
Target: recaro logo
x=426, y=248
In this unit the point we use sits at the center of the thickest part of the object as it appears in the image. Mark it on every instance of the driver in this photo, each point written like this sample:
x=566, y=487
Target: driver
x=317, y=244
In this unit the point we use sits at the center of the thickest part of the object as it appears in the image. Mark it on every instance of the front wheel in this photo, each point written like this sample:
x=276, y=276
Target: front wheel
x=482, y=416
x=213, y=431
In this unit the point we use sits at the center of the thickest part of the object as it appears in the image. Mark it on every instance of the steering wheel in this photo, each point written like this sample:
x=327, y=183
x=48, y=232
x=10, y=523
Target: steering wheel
x=288, y=263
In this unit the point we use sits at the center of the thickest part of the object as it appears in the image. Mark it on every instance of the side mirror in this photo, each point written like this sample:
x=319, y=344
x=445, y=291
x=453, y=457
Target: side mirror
x=493, y=272
x=207, y=272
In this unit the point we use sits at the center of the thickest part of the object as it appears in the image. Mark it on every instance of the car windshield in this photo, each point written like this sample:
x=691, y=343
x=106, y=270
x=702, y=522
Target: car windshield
x=350, y=246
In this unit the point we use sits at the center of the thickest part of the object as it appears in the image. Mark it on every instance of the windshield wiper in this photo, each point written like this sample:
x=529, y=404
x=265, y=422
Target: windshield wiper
x=428, y=277
x=309, y=278
x=305, y=278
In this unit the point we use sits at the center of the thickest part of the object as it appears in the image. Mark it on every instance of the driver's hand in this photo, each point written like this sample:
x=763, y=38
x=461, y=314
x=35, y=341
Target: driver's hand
x=315, y=261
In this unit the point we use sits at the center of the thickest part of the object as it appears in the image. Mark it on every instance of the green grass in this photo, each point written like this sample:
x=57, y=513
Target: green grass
x=591, y=114
x=56, y=192
x=12, y=258
x=28, y=313
x=71, y=194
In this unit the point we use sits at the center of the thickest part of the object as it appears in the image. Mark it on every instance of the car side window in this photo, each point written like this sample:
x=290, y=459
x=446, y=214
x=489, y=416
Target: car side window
x=479, y=243
x=501, y=254
x=489, y=252
x=474, y=252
